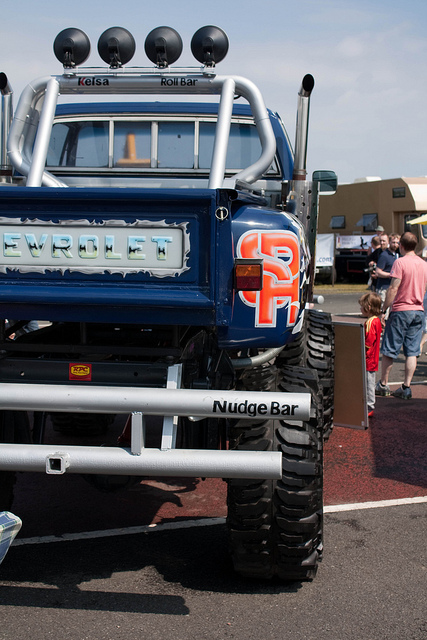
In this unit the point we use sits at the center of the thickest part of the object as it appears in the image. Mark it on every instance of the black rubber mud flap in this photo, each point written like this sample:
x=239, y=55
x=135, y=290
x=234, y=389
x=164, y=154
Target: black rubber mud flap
x=275, y=526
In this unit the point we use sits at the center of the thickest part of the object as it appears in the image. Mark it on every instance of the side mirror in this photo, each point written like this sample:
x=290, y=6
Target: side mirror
x=327, y=181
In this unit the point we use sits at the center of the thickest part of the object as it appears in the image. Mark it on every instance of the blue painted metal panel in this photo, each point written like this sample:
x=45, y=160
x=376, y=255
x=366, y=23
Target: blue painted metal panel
x=135, y=297
x=201, y=295
x=268, y=318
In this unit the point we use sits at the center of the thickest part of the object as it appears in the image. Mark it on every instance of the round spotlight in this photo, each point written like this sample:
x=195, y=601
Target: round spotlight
x=71, y=47
x=116, y=46
x=209, y=45
x=163, y=46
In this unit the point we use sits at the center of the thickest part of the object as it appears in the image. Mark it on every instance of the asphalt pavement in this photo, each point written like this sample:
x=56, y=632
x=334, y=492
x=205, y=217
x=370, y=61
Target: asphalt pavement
x=179, y=584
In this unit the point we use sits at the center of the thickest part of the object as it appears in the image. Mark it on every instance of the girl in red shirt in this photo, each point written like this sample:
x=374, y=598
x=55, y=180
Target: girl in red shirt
x=370, y=306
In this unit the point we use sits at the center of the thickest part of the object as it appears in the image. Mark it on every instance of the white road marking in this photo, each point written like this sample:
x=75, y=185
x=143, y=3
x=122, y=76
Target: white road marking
x=336, y=508
x=202, y=522
x=412, y=383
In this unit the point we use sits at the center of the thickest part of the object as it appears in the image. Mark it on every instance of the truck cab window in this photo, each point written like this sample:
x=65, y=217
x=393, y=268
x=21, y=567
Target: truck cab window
x=176, y=145
x=244, y=147
x=151, y=144
x=55, y=154
x=92, y=145
x=206, y=143
x=132, y=144
x=79, y=144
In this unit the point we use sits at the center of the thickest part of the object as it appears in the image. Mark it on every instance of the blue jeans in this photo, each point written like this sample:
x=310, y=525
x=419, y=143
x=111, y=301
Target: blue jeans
x=403, y=328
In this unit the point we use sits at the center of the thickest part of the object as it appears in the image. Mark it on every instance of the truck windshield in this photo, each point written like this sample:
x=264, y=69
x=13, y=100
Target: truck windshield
x=146, y=144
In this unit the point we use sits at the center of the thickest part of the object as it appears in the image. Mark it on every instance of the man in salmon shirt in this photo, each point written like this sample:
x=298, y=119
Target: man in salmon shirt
x=405, y=324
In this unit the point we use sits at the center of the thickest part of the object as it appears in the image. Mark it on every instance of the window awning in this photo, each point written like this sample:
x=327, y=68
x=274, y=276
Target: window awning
x=420, y=220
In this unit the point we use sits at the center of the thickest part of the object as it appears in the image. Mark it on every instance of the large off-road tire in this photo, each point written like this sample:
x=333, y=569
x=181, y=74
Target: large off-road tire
x=275, y=526
x=314, y=348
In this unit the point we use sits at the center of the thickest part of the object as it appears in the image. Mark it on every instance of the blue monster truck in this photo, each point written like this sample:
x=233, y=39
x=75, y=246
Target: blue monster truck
x=166, y=252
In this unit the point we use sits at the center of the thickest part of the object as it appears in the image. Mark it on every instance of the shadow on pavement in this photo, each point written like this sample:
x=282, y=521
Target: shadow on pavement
x=195, y=559
x=399, y=440
x=52, y=505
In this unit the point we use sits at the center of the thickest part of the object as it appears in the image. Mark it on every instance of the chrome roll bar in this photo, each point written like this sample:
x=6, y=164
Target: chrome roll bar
x=34, y=115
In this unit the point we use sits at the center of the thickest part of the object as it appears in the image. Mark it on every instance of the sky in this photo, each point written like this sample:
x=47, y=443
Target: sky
x=368, y=111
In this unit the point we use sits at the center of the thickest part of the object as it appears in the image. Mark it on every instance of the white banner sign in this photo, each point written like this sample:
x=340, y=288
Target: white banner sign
x=354, y=242
x=325, y=250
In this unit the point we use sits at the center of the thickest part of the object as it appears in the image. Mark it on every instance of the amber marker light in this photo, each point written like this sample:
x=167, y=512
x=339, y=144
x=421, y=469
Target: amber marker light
x=248, y=274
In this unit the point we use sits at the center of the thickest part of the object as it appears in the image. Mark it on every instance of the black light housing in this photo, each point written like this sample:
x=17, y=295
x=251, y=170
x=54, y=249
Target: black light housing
x=116, y=46
x=248, y=274
x=71, y=47
x=163, y=46
x=209, y=45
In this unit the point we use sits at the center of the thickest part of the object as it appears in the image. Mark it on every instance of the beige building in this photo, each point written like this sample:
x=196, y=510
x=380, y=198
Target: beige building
x=358, y=208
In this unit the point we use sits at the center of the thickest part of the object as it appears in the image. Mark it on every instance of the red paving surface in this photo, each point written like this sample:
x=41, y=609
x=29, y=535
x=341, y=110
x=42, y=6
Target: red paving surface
x=387, y=461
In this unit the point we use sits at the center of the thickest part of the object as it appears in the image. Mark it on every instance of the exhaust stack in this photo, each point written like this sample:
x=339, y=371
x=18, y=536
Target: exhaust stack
x=301, y=137
x=6, y=119
x=302, y=199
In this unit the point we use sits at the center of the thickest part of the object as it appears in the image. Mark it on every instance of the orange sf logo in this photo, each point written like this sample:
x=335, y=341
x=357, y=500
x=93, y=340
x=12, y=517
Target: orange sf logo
x=80, y=370
x=281, y=254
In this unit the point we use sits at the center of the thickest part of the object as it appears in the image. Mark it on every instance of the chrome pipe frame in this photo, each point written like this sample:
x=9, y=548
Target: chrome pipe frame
x=139, y=401
x=222, y=134
x=44, y=130
x=193, y=463
x=28, y=111
x=203, y=403
x=24, y=128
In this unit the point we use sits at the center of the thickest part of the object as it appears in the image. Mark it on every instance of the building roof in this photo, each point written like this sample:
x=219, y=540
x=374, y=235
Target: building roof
x=418, y=189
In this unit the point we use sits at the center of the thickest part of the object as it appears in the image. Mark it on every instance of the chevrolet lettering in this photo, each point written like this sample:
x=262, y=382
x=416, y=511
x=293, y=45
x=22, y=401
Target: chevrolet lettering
x=157, y=247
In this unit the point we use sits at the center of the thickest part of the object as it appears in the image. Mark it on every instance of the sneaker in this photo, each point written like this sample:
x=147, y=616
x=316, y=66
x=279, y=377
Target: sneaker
x=382, y=389
x=405, y=394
